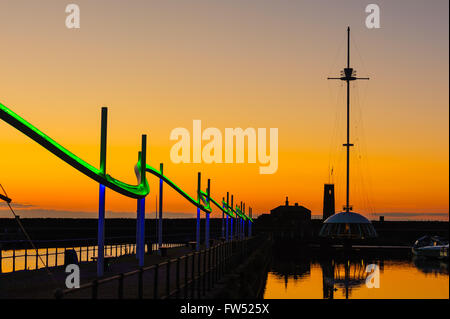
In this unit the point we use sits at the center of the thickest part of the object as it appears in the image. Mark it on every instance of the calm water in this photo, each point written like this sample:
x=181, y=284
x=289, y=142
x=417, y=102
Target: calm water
x=306, y=275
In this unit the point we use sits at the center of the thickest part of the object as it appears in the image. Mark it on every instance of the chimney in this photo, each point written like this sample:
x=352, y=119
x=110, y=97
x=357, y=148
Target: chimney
x=287, y=201
x=328, y=201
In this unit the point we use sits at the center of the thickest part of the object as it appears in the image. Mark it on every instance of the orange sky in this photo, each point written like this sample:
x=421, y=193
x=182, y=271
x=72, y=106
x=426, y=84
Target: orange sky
x=160, y=65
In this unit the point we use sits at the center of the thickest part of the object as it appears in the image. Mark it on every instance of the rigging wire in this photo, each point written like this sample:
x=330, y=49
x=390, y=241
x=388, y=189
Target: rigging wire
x=363, y=65
x=336, y=153
x=362, y=153
x=29, y=238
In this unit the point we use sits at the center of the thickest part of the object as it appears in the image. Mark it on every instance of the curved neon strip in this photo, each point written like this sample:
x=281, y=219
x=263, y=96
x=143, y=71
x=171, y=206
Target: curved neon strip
x=221, y=208
x=134, y=191
x=194, y=202
x=239, y=212
x=230, y=210
x=217, y=204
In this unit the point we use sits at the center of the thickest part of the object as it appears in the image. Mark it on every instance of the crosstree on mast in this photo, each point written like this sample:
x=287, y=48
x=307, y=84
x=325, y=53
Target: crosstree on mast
x=347, y=75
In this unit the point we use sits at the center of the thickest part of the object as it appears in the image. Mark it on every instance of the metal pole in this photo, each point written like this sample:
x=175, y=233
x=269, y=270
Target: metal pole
x=101, y=201
x=160, y=210
x=250, y=223
x=223, y=222
x=347, y=207
x=138, y=223
x=240, y=223
x=141, y=247
x=141, y=205
x=243, y=222
x=197, y=237
x=228, y=197
x=208, y=191
x=232, y=220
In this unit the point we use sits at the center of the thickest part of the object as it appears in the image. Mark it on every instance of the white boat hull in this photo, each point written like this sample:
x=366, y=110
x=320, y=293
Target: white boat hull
x=440, y=251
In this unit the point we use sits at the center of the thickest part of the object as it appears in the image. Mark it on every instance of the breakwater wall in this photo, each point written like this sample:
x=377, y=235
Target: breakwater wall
x=121, y=230
x=55, y=232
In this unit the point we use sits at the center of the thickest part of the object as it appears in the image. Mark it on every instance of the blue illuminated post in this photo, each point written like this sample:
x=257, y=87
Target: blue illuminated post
x=160, y=210
x=208, y=192
x=224, y=206
x=250, y=222
x=142, y=222
x=197, y=237
x=223, y=224
x=231, y=228
x=101, y=231
x=138, y=227
x=226, y=233
x=101, y=197
x=243, y=222
x=138, y=212
x=240, y=224
x=141, y=206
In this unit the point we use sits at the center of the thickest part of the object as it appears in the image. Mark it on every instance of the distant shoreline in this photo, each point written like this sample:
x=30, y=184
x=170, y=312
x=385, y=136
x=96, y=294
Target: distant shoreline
x=58, y=214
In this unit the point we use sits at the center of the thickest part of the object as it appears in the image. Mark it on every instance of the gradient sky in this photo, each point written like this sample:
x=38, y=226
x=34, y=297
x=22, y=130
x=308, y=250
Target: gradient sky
x=159, y=65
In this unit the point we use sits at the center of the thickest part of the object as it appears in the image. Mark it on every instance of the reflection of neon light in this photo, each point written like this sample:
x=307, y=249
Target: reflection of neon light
x=134, y=191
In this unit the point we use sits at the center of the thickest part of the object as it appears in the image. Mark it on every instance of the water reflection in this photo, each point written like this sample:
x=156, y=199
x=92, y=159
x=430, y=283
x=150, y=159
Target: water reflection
x=431, y=266
x=312, y=274
x=342, y=274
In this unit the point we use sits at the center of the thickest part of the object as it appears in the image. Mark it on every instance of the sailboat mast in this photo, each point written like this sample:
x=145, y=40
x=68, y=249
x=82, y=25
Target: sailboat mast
x=347, y=206
x=348, y=75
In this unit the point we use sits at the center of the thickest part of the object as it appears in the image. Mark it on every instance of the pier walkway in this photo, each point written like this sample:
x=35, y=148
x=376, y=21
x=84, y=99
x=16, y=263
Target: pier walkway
x=182, y=272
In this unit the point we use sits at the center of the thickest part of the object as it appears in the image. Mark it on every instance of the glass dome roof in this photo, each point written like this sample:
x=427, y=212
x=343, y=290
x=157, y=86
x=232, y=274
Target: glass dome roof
x=347, y=225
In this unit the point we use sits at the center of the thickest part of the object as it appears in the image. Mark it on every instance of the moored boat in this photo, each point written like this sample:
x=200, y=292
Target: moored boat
x=431, y=246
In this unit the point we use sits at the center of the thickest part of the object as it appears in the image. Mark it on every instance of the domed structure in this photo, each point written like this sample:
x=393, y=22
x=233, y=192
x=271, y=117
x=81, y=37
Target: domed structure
x=347, y=225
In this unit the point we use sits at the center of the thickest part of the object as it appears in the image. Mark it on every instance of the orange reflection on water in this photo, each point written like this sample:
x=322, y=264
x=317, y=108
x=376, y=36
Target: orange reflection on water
x=398, y=280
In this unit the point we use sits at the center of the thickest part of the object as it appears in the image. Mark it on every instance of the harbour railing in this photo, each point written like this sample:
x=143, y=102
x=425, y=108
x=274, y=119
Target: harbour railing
x=51, y=253
x=188, y=276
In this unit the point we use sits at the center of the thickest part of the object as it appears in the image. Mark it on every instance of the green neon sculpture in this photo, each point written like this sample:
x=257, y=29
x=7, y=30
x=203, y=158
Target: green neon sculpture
x=134, y=191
